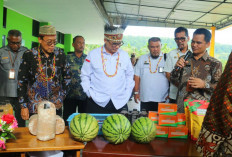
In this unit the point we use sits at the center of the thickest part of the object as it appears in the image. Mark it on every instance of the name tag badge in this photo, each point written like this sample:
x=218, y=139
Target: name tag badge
x=146, y=62
x=161, y=69
x=12, y=74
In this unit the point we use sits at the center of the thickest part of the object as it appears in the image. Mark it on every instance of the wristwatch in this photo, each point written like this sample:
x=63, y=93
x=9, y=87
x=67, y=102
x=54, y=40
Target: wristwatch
x=136, y=92
x=207, y=85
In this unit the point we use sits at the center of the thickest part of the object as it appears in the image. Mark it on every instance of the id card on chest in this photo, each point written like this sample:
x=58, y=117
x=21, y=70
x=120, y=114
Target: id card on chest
x=160, y=69
x=12, y=74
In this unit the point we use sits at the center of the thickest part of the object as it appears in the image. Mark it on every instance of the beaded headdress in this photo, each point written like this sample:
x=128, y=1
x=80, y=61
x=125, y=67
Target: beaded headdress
x=113, y=33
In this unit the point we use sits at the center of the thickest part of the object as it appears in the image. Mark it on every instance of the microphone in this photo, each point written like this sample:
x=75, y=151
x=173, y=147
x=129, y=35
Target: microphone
x=185, y=58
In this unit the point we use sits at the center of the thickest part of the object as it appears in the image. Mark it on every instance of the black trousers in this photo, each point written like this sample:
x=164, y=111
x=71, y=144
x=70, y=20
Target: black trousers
x=17, y=109
x=173, y=101
x=149, y=106
x=92, y=107
x=70, y=106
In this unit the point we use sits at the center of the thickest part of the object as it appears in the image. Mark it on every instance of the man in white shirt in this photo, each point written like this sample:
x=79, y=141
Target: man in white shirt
x=107, y=75
x=151, y=84
x=181, y=39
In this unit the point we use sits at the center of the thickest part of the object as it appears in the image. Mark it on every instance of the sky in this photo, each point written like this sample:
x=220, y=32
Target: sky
x=223, y=36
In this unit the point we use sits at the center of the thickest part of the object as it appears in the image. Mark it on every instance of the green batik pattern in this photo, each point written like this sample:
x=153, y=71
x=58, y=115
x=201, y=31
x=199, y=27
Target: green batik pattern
x=76, y=90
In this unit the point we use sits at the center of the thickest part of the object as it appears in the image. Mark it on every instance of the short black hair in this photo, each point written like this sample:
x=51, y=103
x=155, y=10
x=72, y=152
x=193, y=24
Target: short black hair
x=132, y=55
x=154, y=39
x=181, y=29
x=205, y=32
x=74, y=39
x=41, y=37
x=14, y=33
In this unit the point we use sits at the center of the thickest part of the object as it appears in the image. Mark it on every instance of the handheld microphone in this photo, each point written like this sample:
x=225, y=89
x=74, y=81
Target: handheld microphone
x=185, y=58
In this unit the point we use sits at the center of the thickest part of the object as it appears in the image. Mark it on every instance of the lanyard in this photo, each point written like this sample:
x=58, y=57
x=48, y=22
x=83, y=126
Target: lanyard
x=153, y=72
x=11, y=58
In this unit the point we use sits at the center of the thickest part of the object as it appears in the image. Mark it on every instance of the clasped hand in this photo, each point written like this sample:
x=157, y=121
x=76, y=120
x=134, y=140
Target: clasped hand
x=196, y=82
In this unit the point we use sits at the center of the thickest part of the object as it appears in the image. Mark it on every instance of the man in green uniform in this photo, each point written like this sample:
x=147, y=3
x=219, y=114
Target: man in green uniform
x=76, y=96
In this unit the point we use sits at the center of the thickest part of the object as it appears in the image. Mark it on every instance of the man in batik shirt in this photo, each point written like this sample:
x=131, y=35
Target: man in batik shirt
x=200, y=71
x=76, y=96
x=43, y=75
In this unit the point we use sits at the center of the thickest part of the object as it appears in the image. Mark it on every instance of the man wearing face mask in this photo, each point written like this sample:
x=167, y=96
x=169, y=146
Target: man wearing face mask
x=11, y=56
x=107, y=75
x=151, y=84
x=43, y=75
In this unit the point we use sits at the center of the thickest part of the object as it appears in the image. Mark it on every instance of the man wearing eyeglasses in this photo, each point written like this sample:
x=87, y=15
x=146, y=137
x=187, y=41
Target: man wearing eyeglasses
x=11, y=56
x=198, y=74
x=151, y=84
x=43, y=75
x=107, y=75
x=181, y=39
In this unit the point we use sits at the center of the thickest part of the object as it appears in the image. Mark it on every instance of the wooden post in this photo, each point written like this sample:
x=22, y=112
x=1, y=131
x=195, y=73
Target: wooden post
x=213, y=28
x=78, y=153
x=23, y=154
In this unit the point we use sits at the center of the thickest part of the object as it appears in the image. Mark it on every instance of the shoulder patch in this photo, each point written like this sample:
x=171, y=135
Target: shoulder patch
x=4, y=57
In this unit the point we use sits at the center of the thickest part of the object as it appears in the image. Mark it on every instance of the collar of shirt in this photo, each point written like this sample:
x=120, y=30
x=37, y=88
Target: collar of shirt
x=179, y=51
x=43, y=54
x=204, y=57
x=160, y=55
x=74, y=55
x=104, y=52
x=7, y=48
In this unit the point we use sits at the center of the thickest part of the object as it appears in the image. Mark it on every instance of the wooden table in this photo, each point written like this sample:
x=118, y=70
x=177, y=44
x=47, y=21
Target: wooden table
x=158, y=147
x=26, y=142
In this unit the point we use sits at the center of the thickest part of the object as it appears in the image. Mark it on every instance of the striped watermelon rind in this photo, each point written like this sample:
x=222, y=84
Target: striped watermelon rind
x=143, y=130
x=84, y=127
x=116, y=128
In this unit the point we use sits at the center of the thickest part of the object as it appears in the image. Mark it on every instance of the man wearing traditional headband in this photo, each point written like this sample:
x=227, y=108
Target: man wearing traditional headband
x=107, y=75
x=151, y=84
x=43, y=74
x=10, y=59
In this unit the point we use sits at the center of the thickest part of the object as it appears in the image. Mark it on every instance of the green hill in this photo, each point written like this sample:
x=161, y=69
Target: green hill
x=138, y=45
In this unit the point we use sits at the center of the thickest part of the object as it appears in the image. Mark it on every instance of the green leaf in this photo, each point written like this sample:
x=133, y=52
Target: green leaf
x=4, y=134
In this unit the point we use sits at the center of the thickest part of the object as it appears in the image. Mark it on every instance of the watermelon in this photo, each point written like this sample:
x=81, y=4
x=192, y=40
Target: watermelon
x=116, y=128
x=143, y=130
x=84, y=127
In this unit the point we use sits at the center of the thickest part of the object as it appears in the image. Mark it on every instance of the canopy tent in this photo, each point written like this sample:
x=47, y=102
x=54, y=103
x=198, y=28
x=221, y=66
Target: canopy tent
x=169, y=13
x=87, y=17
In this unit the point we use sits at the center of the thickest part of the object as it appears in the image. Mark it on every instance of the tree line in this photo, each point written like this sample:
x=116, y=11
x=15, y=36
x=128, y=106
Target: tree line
x=138, y=46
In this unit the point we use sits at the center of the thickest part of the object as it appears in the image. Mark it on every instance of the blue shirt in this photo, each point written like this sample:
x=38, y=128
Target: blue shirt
x=153, y=86
x=99, y=86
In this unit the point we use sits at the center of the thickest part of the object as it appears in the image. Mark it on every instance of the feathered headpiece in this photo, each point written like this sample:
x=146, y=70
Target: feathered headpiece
x=114, y=33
